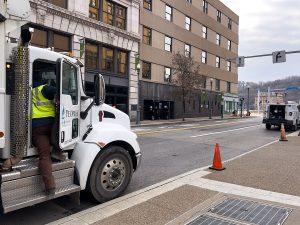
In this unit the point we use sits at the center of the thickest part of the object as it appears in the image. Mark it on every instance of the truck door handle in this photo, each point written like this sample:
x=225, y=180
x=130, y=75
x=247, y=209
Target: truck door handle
x=62, y=138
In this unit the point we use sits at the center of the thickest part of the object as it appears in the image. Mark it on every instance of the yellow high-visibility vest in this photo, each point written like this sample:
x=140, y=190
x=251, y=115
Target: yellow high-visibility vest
x=41, y=106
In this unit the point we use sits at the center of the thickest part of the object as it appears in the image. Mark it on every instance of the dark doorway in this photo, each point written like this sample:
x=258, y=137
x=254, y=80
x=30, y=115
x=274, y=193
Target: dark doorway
x=156, y=110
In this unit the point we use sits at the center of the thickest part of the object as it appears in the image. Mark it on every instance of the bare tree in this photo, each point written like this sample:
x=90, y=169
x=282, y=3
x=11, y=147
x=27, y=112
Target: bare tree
x=186, y=76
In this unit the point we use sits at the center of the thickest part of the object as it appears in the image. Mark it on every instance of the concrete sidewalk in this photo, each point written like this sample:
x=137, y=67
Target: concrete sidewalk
x=261, y=186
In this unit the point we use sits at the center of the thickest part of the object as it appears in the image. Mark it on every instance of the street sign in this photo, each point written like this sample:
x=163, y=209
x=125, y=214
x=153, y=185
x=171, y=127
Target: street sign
x=240, y=61
x=279, y=56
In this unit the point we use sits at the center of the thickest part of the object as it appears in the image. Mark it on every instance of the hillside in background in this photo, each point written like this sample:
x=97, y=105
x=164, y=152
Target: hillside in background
x=292, y=95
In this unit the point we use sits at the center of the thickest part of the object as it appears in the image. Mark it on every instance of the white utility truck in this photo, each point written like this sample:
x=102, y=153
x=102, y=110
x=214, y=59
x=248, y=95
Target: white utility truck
x=286, y=113
x=102, y=150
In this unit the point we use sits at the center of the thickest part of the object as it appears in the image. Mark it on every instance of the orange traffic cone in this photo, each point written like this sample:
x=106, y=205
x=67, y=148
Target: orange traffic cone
x=217, y=163
x=282, y=134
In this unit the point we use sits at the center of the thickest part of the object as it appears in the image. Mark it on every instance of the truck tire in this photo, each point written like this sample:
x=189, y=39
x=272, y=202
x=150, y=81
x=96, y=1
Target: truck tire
x=268, y=126
x=110, y=174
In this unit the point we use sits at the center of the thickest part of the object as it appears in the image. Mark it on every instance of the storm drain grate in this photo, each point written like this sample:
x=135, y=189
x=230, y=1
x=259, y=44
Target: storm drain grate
x=251, y=212
x=205, y=220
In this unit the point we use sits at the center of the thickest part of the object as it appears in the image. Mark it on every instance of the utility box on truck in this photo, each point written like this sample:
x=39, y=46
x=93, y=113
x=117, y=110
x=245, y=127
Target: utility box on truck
x=287, y=114
x=101, y=150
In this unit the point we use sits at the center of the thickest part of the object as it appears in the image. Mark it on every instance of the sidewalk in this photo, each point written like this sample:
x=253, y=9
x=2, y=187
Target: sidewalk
x=259, y=187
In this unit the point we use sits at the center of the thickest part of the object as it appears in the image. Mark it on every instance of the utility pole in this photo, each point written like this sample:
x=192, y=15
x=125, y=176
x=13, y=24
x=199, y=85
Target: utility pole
x=258, y=101
x=248, y=103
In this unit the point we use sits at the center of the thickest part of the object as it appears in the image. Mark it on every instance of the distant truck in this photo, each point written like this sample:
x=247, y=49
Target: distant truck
x=287, y=114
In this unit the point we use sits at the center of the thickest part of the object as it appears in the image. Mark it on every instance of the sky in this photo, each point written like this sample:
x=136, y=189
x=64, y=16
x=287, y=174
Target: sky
x=266, y=26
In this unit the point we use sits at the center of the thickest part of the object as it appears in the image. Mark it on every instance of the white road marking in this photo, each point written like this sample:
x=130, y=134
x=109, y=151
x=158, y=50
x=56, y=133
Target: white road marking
x=225, y=131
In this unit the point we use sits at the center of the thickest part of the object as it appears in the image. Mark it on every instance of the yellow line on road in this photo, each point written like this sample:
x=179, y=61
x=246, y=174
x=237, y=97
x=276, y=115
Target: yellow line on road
x=183, y=128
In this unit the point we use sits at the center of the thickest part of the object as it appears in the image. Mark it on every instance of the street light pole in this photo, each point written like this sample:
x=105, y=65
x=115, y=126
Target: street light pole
x=210, y=104
x=138, y=67
x=248, y=103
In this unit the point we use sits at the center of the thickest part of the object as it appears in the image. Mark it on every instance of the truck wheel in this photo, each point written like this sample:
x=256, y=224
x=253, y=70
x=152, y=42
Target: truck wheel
x=110, y=174
x=268, y=126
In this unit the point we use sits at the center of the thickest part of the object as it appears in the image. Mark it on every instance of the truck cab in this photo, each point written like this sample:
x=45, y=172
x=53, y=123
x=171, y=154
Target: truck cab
x=102, y=152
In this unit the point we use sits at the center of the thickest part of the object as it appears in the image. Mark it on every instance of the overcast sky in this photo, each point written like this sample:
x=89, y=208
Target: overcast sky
x=267, y=26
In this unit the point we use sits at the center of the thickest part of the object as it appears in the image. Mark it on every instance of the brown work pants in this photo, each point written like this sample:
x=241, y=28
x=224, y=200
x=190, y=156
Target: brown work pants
x=41, y=139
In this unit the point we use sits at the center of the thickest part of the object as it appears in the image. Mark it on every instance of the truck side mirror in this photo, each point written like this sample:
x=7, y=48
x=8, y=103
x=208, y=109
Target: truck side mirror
x=99, y=88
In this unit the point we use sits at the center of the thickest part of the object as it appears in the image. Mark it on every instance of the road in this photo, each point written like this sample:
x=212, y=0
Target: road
x=168, y=150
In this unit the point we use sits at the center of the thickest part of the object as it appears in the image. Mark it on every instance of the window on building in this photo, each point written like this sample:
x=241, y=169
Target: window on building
x=205, y=6
x=39, y=38
x=219, y=16
x=229, y=23
x=217, y=85
x=168, y=44
x=61, y=43
x=228, y=66
x=204, y=57
x=228, y=87
x=60, y=3
x=229, y=45
x=146, y=70
x=146, y=35
x=187, y=23
x=112, y=13
x=218, y=39
x=91, y=56
x=187, y=50
x=48, y=38
x=94, y=9
x=204, y=32
x=148, y=4
x=217, y=61
x=169, y=13
x=122, y=62
x=167, y=77
x=107, y=59
x=189, y=1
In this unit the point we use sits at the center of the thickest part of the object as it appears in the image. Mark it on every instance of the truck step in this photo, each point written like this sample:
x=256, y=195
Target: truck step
x=24, y=186
x=29, y=167
x=38, y=198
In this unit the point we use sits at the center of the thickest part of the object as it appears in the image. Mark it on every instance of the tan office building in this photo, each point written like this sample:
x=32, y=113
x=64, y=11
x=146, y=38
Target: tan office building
x=206, y=30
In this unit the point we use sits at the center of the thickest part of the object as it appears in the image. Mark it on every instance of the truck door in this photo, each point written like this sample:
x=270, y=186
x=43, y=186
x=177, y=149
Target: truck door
x=68, y=108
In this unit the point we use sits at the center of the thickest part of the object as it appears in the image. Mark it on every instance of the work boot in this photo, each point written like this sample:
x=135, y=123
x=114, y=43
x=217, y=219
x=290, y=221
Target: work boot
x=50, y=192
x=58, y=155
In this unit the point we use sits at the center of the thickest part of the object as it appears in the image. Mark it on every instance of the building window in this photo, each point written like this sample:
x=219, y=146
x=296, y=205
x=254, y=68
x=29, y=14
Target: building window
x=94, y=9
x=228, y=66
x=205, y=6
x=218, y=39
x=60, y=3
x=217, y=85
x=187, y=50
x=217, y=61
x=91, y=56
x=110, y=60
x=204, y=57
x=39, y=38
x=228, y=87
x=189, y=1
x=229, y=45
x=122, y=62
x=146, y=35
x=47, y=38
x=187, y=23
x=146, y=70
x=168, y=44
x=107, y=59
x=219, y=16
x=147, y=4
x=114, y=14
x=204, y=32
x=169, y=13
x=229, y=23
x=167, y=77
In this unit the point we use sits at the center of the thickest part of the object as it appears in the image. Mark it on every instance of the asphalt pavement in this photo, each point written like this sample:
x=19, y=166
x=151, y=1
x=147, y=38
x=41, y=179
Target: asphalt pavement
x=258, y=187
